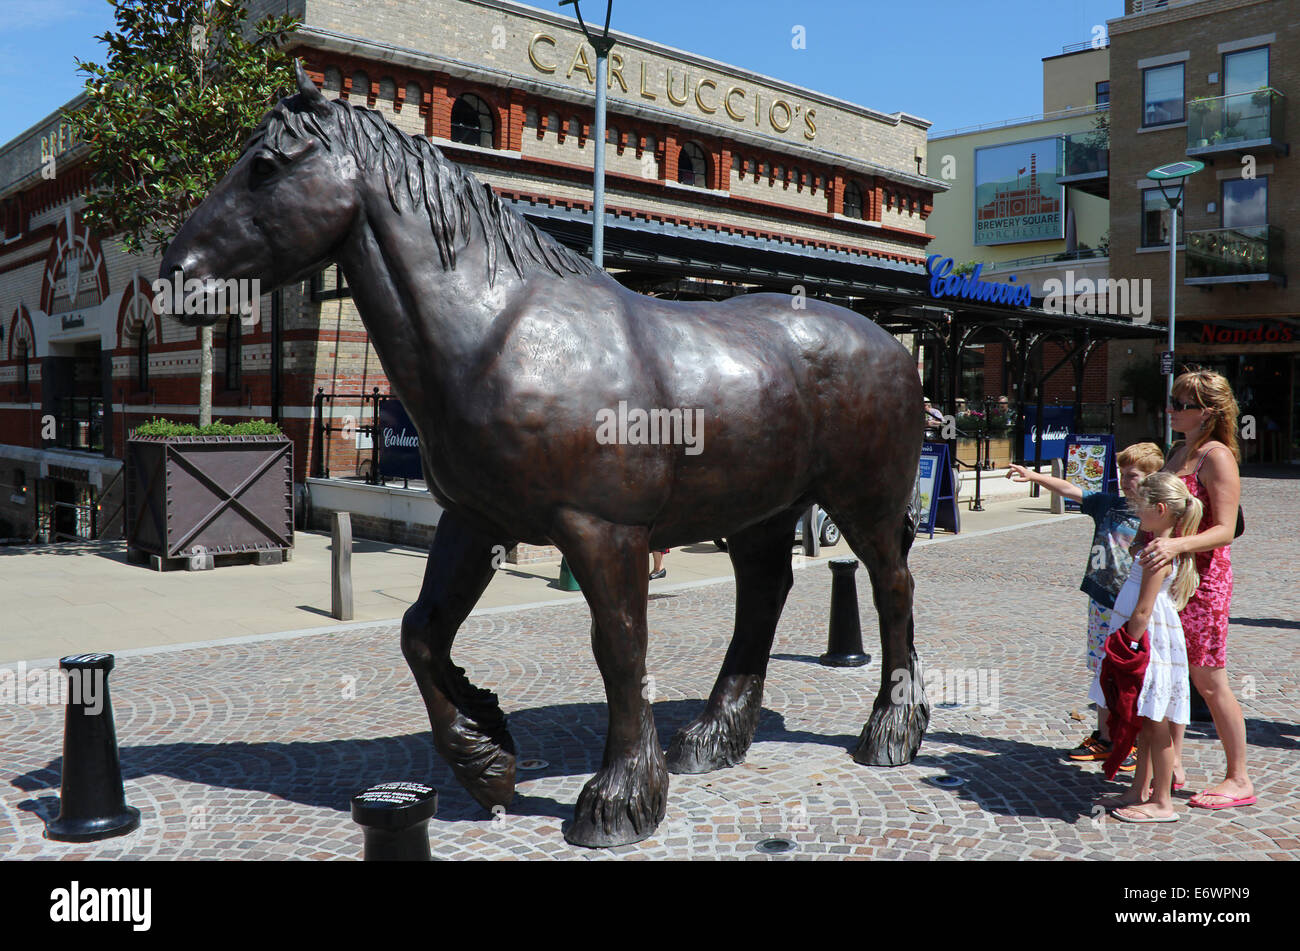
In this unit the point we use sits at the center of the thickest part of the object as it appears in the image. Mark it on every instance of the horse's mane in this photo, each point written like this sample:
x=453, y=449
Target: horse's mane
x=419, y=178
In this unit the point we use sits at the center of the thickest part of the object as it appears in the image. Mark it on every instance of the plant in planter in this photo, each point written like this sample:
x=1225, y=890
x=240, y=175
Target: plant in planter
x=197, y=493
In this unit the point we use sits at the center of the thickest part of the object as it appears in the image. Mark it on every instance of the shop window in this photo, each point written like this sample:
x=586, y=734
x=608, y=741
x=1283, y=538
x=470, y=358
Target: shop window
x=852, y=200
x=142, y=359
x=1245, y=202
x=1162, y=95
x=692, y=167
x=1155, y=219
x=471, y=122
x=234, y=354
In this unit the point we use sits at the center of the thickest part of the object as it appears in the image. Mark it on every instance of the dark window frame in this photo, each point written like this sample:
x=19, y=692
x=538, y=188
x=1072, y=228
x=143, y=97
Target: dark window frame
x=1182, y=98
x=1223, y=201
x=1098, y=92
x=485, y=127
x=851, y=189
x=700, y=178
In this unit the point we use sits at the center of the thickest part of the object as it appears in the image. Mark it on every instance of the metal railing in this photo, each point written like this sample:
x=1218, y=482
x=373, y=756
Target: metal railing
x=1081, y=254
x=322, y=428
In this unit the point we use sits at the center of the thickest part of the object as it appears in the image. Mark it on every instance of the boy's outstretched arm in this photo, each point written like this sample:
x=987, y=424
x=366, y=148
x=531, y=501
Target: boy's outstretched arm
x=1068, y=489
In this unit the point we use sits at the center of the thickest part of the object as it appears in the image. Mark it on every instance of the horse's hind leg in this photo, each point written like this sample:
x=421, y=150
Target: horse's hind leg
x=893, y=734
x=722, y=734
x=469, y=730
x=625, y=801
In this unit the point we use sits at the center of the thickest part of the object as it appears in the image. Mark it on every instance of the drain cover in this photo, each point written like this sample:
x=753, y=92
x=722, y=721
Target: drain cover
x=947, y=782
x=532, y=765
x=775, y=846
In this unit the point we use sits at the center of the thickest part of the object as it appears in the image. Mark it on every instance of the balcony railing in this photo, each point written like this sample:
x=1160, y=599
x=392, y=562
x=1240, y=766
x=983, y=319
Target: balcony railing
x=1247, y=120
x=1235, y=256
x=80, y=423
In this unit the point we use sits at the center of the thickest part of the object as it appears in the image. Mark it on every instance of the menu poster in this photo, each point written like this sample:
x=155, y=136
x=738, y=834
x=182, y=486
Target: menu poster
x=938, y=495
x=1090, y=464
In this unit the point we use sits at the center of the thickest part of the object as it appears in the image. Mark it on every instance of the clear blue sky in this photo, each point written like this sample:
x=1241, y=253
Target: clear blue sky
x=954, y=62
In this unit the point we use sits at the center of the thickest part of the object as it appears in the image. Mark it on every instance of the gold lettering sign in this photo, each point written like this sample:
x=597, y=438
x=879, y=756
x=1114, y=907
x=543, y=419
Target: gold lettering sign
x=58, y=141
x=544, y=55
x=734, y=90
x=532, y=53
x=782, y=125
x=699, y=101
x=686, y=81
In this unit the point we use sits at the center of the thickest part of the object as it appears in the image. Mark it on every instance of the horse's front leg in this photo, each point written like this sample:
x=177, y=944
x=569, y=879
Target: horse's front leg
x=625, y=801
x=469, y=730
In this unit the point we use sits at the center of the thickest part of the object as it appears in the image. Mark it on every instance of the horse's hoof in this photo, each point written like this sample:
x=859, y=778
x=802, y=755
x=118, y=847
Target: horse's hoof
x=484, y=764
x=721, y=736
x=893, y=735
x=621, y=804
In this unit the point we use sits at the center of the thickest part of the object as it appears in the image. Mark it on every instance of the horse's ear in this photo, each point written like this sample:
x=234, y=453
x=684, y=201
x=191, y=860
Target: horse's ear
x=310, y=94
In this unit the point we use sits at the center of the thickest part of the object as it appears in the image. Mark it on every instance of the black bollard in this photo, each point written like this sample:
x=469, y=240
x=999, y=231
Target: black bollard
x=845, y=646
x=92, y=803
x=395, y=817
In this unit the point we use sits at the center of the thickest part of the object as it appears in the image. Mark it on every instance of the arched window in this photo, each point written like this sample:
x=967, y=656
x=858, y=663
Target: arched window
x=414, y=95
x=333, y=79
x=234, y=353
x=387, y=89
x=142, y=358
x=360, y=85
x=530, y=117
x=24, y=354
x=553, y=124
x=611, y=136
x=692, y=167
x=471, y=122
x=852, y=200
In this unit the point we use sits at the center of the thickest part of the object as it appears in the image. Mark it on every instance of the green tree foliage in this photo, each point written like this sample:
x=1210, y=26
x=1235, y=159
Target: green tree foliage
x=184, y=84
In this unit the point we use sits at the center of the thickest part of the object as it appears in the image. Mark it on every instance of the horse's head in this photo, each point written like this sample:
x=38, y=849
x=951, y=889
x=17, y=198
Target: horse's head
x=282, y=210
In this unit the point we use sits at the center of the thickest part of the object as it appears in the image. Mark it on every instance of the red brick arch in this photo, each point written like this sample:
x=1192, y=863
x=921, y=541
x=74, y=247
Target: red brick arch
x=141, y=289
x=21, y=328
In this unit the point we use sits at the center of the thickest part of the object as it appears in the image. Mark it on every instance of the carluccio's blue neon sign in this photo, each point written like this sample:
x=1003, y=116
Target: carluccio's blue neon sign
x=943, y=283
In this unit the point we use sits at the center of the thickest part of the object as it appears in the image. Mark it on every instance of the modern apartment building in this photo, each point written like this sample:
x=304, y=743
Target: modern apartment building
x=1214, y=81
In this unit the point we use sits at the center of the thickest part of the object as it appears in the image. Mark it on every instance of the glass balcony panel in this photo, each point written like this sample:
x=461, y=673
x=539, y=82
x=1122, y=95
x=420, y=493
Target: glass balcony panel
x=1244, y=120
x=1234, y=255
x=1086, y=153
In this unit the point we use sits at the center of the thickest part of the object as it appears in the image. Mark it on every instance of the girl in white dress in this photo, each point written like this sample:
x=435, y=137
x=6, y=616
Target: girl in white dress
x=1151, y=603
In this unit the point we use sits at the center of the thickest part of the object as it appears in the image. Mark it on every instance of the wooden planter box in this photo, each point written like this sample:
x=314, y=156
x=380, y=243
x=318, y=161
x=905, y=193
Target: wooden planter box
x=199, y=497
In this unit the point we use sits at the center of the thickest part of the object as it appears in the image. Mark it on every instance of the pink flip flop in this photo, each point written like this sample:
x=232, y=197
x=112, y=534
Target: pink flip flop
x=1244, y=801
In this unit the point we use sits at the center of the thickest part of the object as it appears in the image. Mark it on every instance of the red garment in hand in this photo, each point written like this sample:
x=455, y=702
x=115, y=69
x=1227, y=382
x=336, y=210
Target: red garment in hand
x=1123, y=671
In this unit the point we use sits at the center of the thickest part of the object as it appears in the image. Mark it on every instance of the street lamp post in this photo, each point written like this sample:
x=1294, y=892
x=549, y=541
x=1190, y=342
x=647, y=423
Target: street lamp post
x=602, y=44
x=1175, y=175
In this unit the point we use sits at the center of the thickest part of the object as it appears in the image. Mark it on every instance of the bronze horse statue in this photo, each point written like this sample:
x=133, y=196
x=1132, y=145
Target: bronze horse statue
x=507, y=349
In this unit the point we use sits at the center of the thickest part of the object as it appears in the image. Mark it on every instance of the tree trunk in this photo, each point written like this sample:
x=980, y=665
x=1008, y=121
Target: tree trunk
x=205, y=375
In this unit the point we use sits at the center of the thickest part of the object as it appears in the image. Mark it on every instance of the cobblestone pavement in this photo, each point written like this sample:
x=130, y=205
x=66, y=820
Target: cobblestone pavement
x=253, y=750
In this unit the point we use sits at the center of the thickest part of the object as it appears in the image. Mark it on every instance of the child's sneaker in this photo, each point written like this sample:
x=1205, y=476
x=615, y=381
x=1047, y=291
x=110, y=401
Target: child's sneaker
x=1092, y=749
x=1130, y=762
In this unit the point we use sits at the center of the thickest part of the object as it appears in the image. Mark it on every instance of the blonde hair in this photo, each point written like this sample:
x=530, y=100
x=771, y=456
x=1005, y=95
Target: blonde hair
x=1143, y=455
x=1210, y=391
x=1169, y=490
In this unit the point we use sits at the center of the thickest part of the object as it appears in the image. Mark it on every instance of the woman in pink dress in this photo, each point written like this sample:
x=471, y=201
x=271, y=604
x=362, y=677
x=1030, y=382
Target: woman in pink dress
x=1205, y=411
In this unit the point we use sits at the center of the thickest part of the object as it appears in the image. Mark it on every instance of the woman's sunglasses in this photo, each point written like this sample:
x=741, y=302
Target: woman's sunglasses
x=1179, y=405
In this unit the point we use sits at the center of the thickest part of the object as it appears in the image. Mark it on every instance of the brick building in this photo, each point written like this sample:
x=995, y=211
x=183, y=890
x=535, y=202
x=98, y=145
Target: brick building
x=1216, y=81
x=719, y=181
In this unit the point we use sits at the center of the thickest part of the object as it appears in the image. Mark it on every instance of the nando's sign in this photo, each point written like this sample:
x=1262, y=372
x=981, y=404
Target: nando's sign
x=1255, y=332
